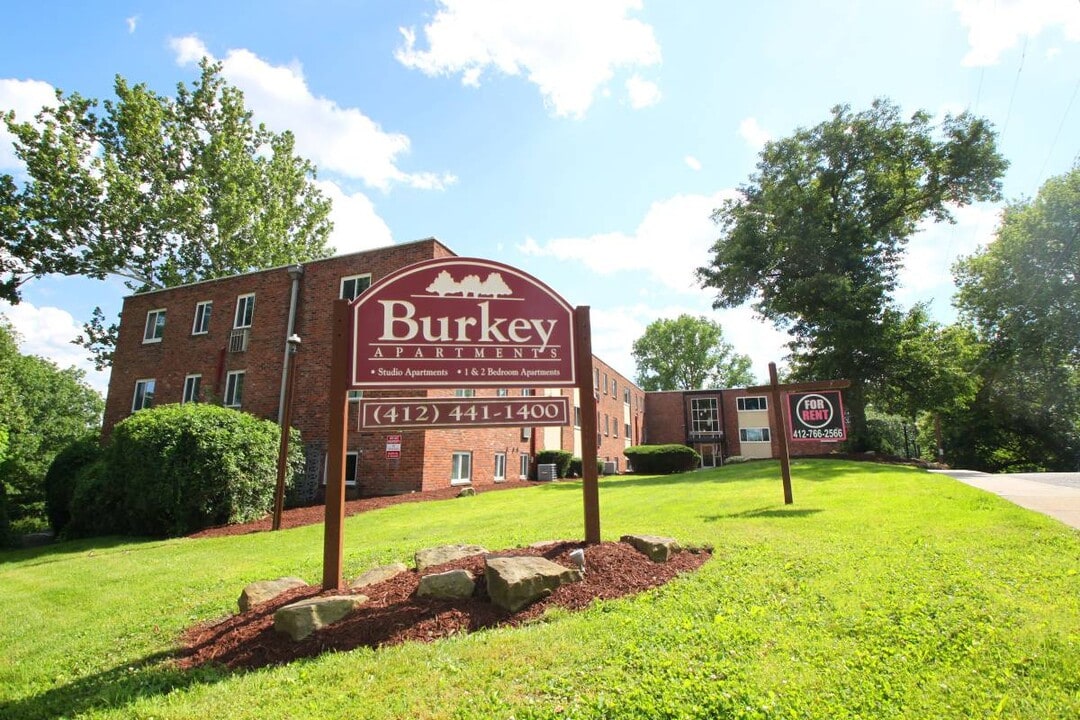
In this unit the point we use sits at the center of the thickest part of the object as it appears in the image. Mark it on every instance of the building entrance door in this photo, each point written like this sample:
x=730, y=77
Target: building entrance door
x=708, y=455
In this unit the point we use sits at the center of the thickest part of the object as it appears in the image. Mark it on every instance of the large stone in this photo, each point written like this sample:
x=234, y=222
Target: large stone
x=430, y=557
x=305, y=617
x=264, y=590
x=467, y=492
x=378, y=575
x=657, y=548
x=450, y=585
x=514, y=582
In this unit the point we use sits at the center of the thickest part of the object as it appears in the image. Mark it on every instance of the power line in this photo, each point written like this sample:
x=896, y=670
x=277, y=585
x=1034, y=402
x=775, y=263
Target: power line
x=1061, y=126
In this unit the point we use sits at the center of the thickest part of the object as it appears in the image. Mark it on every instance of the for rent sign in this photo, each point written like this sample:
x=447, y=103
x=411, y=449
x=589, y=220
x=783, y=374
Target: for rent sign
x=816, y=415
x=461, y=322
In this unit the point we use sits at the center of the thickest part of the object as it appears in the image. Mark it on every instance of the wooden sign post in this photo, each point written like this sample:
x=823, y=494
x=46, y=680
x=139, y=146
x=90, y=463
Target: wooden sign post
x=781, y=420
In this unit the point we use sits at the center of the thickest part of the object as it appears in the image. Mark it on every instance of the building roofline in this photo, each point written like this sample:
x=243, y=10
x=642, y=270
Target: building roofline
x=433, y=239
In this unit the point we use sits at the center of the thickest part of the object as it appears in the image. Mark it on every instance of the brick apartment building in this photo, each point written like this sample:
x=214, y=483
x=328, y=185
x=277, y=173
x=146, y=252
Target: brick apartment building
x=225, y=341
x=720, y=424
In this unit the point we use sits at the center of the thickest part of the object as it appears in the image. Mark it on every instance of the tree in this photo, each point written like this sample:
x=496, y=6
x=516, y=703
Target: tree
x=817, y=236
x=1022, y=297
x=688, y=353
x=46, y=409
x=160, y=191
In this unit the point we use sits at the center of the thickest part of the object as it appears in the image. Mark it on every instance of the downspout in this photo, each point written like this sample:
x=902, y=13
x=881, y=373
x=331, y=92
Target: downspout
x=295, y=273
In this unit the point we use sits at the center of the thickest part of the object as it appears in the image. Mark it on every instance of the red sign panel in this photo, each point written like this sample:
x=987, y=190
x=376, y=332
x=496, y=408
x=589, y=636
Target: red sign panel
x=816, y=416
x=393, y=447
x=461, y=322
x=429, y=413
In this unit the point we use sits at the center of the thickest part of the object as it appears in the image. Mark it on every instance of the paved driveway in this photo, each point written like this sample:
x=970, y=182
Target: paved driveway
x=1053, y=494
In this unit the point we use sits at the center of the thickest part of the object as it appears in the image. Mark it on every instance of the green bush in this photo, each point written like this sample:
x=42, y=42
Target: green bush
x=97, y=504
x=662, y=459
x=575, y=467
x=181, y=468
x=61, y=477
x=559, y=458
x=5, y=534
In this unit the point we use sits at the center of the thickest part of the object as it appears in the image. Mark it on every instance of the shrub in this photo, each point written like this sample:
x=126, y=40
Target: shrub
x=97, y=504
x=181, y=468
x=662, y=459
x=61, y=476
x=560, y=458
x=5, y=534
x=575, y=468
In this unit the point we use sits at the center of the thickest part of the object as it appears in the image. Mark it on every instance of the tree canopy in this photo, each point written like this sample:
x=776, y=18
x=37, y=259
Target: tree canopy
x=688, y=353
x=160, y=191
x=817, y=236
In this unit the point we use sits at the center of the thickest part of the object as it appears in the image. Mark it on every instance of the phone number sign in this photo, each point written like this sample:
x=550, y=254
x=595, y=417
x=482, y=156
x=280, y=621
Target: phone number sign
x=426, y=413
x=816, y=416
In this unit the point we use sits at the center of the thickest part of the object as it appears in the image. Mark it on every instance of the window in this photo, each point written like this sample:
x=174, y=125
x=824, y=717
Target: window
x=500, y=467
x=502, y=392
x=355, y=395
x=626, y=431
x=201, y=326
x=614, y=388
x=615, y=427
x=523, y=467
x=461, y=470
x=155, y=326
x=626, y=395
x=752, y=403
x=464, y=393
x=577, y=416
x=607, y=425
x=245, y=311
x=750, y=435
x=704, y=417
x=605, y=383
x=191, y=388
x=144, y=394
x=526, y=433
x=596, y=379
x=234, y=388
x=353, y=285
x=351, y=464
x=528, y=392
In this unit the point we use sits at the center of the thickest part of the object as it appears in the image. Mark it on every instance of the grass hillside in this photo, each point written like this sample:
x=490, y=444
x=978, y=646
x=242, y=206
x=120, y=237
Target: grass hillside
x=883, y=592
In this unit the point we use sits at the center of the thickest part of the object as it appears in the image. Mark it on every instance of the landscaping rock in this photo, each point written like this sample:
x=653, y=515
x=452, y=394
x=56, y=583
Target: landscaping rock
x=430, y=557
x=514, y=582
x=378, y=575
x=305, y=617
x=466, y=492
x=658, y=549
x=449, y=585
x=264, y=590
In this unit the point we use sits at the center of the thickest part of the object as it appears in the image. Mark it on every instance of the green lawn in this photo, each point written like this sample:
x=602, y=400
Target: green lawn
x=883, y=592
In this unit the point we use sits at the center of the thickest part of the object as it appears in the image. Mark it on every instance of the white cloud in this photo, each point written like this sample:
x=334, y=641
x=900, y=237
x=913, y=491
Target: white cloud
x=26, y=98
x=356, y=224
x=47, y=332
x=927, y=270
x=671, y=241
x=569, y=49
x=132, y=23
x=752, y=132
x=642, y=93
x=692, y=162
x=994, y=26
x=338, y=140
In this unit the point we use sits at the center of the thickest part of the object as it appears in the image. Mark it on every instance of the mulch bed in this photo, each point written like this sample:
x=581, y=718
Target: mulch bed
x=393, y=614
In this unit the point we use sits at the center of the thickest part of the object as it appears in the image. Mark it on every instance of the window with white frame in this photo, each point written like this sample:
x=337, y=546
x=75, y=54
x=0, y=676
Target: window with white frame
x=353, y=285
x=245, y=311
x=752, y=435
x=352, y=463
x=502, y=392
x=704, y=415
x=523, y=466
x=461, y=468
x=144, y=394
x=626, y=396
x=626, y=430
x=605, y=383
x=192, y=384
x=201, y=325
x=614, y=388
x=356, y=395
x=500, y=467
x=752, y=402
x=467, y=392
x=528, y=392
x=577, y=416
x=234, y=388
x=615, y=427
x=155, y=326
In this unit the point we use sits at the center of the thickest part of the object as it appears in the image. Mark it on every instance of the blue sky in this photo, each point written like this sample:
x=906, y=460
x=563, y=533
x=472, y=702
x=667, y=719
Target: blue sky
x=585, y=141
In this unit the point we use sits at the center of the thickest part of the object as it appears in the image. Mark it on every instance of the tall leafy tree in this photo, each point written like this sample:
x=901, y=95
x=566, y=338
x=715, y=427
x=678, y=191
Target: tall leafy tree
x=817, y=236
x=46, y=409
x=688, y=353
x=1022, y=296
x=158, y=190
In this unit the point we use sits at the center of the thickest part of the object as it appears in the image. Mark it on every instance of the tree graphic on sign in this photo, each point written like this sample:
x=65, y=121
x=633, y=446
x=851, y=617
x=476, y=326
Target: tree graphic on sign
x=470, y=286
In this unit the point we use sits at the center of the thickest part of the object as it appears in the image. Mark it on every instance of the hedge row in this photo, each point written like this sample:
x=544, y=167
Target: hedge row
x=169, y=471
x=662, y=459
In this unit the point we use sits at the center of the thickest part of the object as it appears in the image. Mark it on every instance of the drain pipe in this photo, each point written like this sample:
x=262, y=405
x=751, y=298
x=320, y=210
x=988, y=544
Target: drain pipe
x=295, y=273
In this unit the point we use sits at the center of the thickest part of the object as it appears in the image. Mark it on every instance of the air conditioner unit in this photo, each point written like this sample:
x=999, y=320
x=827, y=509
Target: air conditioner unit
x=238, y=340
x=610, y=468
